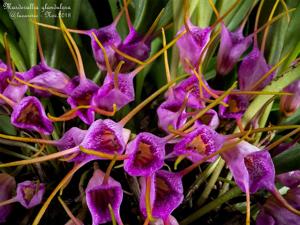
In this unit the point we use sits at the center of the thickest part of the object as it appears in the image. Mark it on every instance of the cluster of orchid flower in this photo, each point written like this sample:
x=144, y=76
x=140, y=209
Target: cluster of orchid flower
x=190, y=116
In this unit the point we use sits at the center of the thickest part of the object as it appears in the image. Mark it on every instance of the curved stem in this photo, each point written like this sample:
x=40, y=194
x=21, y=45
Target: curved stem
x=40, y=159
x=256, y=21
x=69, y=212
x=29, y=140
x=103, y=155
x=55, y=191
x=37, y=34
x=8, y=201
x=109, y=168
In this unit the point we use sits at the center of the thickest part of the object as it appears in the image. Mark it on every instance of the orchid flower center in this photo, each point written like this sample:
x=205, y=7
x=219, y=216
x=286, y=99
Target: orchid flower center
x=144, y=154
x=84, y=99
x=28, y=193
x=109, y=140
x=197, y=144
x=162, y=188
x=233, y=106
x=102, y=198
x=205, y=119
x=30, y=114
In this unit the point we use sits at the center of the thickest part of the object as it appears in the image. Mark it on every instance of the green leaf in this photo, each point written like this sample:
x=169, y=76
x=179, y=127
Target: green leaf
x=292, y=39
x=6, y=126
x=287, y=160
x=277, y=85
x=14, y=51
x=22, y=20
x=87, y=15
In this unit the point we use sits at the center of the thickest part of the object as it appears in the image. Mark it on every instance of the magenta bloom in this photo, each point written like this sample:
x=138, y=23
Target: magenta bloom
x=237, y=106
x=82, y=95
x=210, y=118
x=251, y=167
x=135, y=46
x=252, y=68
x=273, y=213
x=289, y=104
x=290, y=179
x=171, y=220
x=7, y=189
x=15, y=91
x=100, y=194
x=192, y=44
x=146, y=155
x=190, y=86
x=45, y=76
x=30, y=194
x=73, y=137
x=108, y=94
x=106, y=136
x=108, y=36
x=199, y=143
x=166, y=194
x=232, y=46
x=29, y=114
x=171, y=114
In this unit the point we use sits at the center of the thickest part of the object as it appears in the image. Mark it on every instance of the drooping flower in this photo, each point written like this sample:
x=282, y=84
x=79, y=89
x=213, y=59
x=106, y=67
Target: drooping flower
x=171, y=220
x=251, y=167
x=105, y=136
x=30, y=194
x=237, y=106
x=134, y=45
x=190, y=86
x=166, y=194
x=232, y=46
x=210, y=118
x=7, y=189
x=99, y=195
x=199, y=143
x=73, y=137
x=29, y=114
x=192, y=44
x=171, y=114
x=273, y=213
x=109, y=37
x=290, y=179
x=252, y=68
x=146, y=155
x=289, y=104
x=110, y=93
x=83, y=95
x=44, y=76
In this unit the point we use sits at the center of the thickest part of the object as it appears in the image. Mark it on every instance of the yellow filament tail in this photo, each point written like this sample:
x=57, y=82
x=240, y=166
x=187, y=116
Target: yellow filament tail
x=102, y=154
x=107, y=64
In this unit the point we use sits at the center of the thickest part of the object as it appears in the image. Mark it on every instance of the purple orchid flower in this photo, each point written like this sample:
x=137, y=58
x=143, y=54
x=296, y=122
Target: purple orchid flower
x=171, y=220
x=238, y=105
x=83, y=95
x=30, y=194
x=289, y=104
x=45, y=76
x=290, y=179
x=192, y=44
x=105, y=136
x=110, y=93
x=146, y=155
x=232, y=46
x=101, y=194
x=274, y=214
x=171, y=114
x=210, y=118
x=252, y=68
x=7, y=188
x=166, y=194
x=190, y=86
x=199, y=143
x=109, y=37
x=73, y=137
x=251, y=167
x=29, y=114
x=134, y=45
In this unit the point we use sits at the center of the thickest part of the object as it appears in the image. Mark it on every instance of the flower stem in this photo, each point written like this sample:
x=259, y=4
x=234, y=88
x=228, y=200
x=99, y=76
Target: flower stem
x=232, y=193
